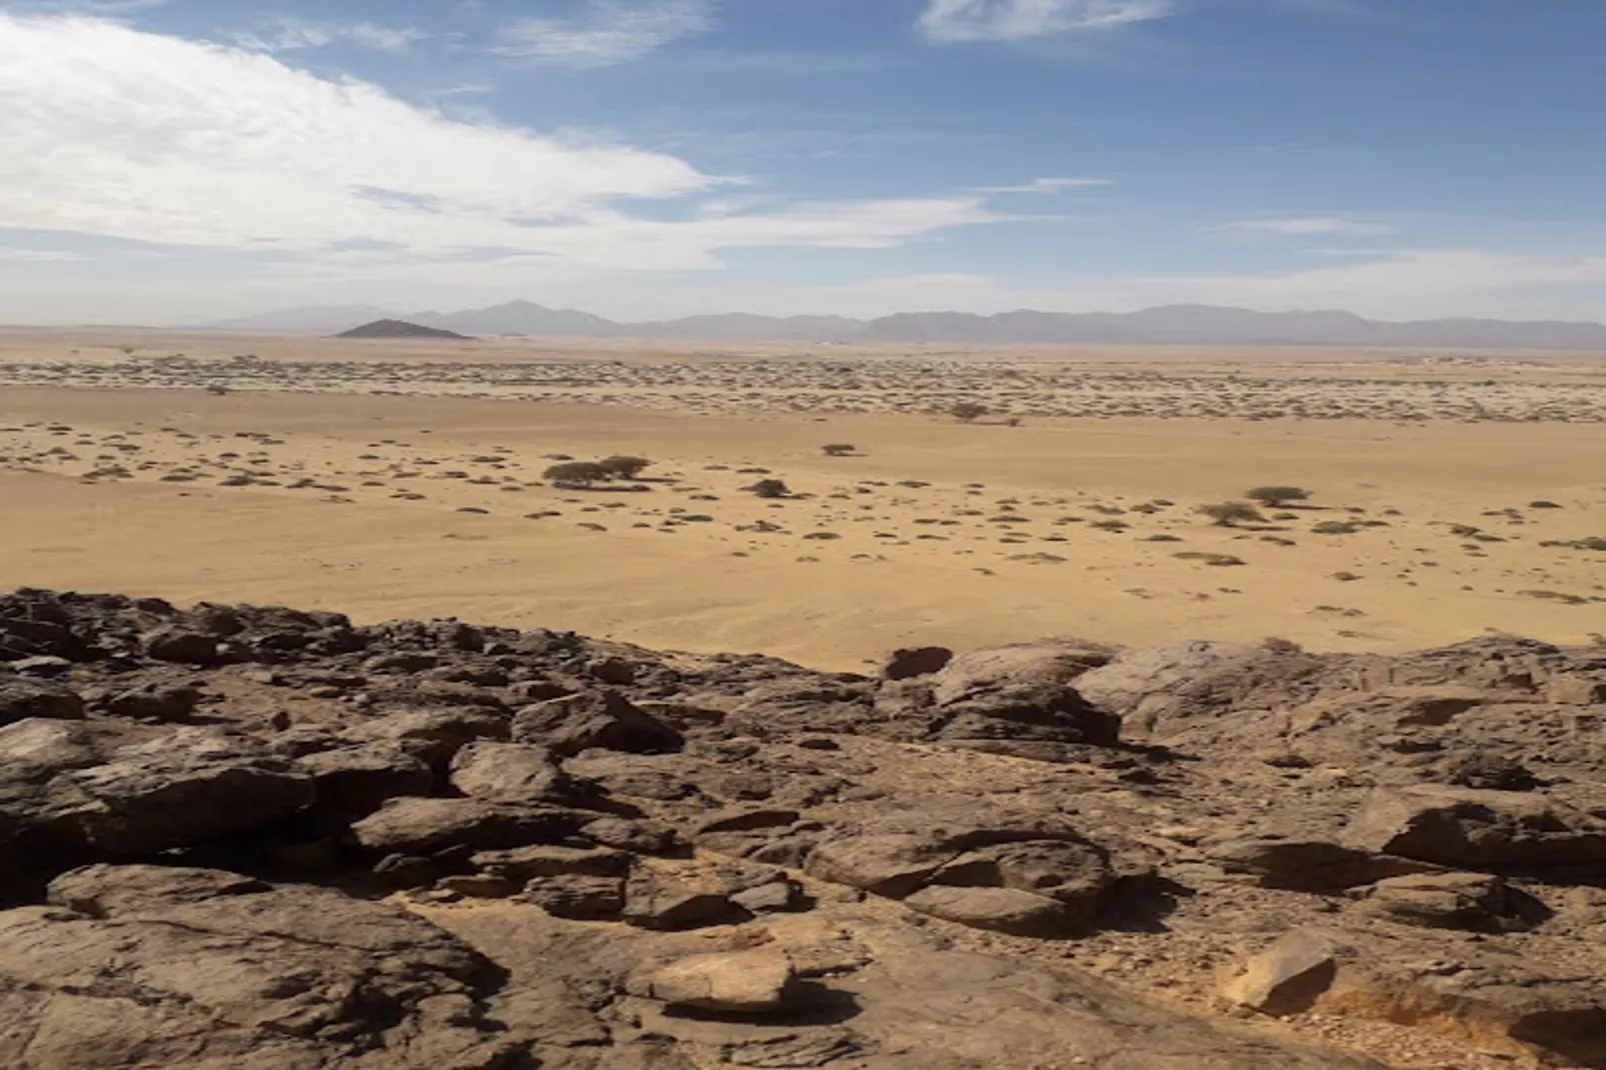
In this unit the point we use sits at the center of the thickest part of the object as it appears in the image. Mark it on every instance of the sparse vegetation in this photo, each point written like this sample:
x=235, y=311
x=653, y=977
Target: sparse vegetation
x=1219, y=560
x=623, y=466
x=1229, y=514
x=838, y=449
x=769, y=488
x=1592, y=542
x=1335, y=527
x=577, y=473
x=968, y=411
x=1277, y=496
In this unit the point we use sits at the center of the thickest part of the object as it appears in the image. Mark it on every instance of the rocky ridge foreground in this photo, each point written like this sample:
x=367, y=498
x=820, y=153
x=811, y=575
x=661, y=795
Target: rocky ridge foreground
x=260, y=839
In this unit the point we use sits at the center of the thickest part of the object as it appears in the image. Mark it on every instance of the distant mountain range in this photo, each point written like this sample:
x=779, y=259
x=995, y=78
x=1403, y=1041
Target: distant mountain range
x=1204, y=324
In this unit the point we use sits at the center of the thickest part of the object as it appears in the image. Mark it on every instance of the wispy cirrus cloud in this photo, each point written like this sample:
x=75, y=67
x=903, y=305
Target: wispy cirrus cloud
x=955, y=21
x=290, y=34
x=603, y=33
x=1307, y=225
x=1047, y=185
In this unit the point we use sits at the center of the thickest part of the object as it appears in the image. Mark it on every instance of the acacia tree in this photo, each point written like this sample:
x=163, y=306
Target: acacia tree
x=1276, y=496
x=577, y=473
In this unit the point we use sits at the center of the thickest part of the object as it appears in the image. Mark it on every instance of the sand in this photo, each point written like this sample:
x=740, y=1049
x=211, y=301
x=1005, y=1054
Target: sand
x=337, y=474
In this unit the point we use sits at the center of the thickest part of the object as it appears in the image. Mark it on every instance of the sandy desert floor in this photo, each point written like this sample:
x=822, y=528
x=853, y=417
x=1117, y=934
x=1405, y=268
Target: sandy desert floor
x=1457, y=494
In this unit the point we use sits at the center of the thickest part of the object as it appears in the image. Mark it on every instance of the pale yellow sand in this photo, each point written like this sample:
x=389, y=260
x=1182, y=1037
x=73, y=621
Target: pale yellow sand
x=909, y=565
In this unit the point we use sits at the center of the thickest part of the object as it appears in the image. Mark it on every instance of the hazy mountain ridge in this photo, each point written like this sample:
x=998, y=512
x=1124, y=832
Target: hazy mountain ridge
x=1163, y=324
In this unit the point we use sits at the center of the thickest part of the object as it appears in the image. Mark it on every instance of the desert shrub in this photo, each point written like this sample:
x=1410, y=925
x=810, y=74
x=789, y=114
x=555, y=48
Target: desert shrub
x=1110, y=525
x=579, y=473
x=837, y=449
x=1275, y=497
x=1226, y=514
x=769, y=488
x=624, y=467
x=217, y=390
x=1334, y=527
x=968, y=410
x=1543, y=504
x=1221, y=560
x=1592, y=542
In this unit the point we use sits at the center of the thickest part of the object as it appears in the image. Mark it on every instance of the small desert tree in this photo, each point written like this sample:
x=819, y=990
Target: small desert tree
x=968, y=411
x=837, y=449
x=1226, y=514
x=578, y=473
x=1275, y=497
x=769, y=488
x=623, y=466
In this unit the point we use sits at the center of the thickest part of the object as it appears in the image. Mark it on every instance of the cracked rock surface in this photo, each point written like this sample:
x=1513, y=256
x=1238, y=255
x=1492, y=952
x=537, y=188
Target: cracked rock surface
x=253, y=837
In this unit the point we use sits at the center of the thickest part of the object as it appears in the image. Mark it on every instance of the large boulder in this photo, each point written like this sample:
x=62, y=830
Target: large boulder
x=21, y=698
x=602, y=718
x=1036, y=855
x=1480, y=902
x=421, y=826
x=1040, y=668
x=510, y=773
x=738, y=982
x=1019, y=700
x=1158, y=691
x=141, y=966
x=435, y=735
x=357, y=780
x=1467, y=828
x=186, y=788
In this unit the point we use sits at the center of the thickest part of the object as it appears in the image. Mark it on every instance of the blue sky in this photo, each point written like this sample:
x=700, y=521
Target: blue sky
x=187, y=160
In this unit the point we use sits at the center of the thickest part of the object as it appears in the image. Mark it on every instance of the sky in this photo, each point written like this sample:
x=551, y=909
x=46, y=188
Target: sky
x=173, y=162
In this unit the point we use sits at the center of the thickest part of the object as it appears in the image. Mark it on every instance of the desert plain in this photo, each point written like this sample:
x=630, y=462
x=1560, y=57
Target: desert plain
x=1451, y=497
x=1452, y=494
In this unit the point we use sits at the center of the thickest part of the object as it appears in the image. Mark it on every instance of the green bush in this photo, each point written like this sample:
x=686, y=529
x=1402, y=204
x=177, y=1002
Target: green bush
x=579, y=473
x=769, y=488
x=625, y=467
x=1226, y=514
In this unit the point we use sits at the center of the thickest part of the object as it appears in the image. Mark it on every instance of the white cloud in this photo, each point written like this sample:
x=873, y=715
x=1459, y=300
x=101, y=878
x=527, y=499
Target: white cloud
x=1016, y=20
x=112, y=132
x=606, y=32
x=99, y=8
x=1047, y=185
x=289, y=34
x=1308, y=225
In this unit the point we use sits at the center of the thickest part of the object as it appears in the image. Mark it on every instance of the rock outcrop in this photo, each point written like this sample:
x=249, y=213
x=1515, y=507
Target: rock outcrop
x=239, y=836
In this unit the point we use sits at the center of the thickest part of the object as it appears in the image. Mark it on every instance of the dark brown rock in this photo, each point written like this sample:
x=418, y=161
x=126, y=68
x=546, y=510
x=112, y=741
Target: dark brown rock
x=915, y=661
x=21, y=698
x=604, y=719
x=1497, y=831
x=419, y=826
x=181, y=645
x=187, y=788
x=358, y=780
